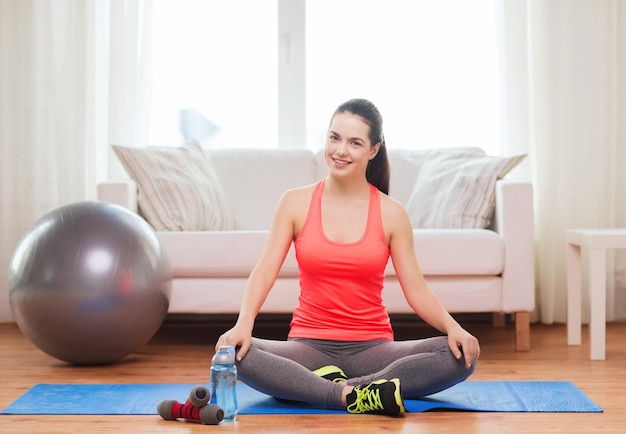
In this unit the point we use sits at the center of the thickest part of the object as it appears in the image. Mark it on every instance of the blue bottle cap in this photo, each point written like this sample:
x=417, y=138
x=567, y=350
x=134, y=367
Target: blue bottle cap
x=224, y=356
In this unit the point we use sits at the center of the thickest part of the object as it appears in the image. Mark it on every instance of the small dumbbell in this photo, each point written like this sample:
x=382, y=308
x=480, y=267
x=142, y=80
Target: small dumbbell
x=208, y=414
x=195, y=410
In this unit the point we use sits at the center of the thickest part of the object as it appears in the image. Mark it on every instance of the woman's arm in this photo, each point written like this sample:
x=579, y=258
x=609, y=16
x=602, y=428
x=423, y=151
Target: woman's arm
x=263, y=275
x=418, y=294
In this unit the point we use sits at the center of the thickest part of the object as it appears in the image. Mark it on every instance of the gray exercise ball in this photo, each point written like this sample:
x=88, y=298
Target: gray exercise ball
x=89, y=283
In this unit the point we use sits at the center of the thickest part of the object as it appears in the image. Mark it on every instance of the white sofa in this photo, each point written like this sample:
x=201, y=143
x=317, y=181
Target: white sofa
x=471, y=270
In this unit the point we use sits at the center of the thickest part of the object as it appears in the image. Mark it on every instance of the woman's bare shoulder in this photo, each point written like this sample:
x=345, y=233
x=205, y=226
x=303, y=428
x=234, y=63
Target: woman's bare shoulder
x=299, y=193
x=393, y=212
x=297, y=198
x=391, y=205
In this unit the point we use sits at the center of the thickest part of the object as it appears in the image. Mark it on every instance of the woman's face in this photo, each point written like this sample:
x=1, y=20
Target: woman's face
x=348, y=147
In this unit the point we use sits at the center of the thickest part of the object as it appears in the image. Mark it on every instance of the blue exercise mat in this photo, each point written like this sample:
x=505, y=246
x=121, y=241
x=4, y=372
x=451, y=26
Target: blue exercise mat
x=142, y=399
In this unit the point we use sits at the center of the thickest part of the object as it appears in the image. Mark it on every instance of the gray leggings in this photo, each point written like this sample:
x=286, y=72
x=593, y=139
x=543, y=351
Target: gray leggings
x=283, y=369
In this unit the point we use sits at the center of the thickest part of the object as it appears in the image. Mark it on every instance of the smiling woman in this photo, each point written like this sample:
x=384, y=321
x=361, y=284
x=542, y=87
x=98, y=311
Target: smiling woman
x=430, y=66
x=341, y=351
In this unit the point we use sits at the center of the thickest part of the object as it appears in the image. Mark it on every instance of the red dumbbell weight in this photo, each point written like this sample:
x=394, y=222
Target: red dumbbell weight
x=209, y=414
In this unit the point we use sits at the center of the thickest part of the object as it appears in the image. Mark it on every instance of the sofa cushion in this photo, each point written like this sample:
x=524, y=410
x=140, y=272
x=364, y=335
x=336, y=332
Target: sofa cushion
x=254, y=180
x=458, y=252
x=457, y=189
x=457, y=293
x=219, y=253
x=235, y=253
x=177, y=189
x=405, y=166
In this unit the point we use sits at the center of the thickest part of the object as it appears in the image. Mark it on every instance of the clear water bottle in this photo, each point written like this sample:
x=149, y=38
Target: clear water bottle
x=223, y=382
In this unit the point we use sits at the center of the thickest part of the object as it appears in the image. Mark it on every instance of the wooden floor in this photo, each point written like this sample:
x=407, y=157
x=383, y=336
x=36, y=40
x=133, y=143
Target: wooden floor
x=181, y=353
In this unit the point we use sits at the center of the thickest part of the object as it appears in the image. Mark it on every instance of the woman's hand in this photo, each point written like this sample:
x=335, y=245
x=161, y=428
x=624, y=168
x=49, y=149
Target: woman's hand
x=238, y=336
x=464, y=344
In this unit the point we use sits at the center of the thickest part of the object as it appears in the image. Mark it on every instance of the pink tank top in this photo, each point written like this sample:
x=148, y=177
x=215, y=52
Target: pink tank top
x=341, y=283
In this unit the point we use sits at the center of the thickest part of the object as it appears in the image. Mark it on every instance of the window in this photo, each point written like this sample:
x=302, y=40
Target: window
x=214, y=73
x=430, y=67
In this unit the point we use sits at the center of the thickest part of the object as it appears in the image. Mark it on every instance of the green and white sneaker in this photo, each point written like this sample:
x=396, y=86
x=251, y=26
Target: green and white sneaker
x=332, y=373
x=378, y=397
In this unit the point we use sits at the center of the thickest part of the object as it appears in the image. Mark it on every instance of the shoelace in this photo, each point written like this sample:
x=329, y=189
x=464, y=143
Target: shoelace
x=366, y=400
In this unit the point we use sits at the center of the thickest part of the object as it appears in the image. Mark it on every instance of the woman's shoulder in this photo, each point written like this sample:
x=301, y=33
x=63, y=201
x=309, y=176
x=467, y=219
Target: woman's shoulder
x=392, y=210
x=300, y=192
x=390, y=204
x=298, y=196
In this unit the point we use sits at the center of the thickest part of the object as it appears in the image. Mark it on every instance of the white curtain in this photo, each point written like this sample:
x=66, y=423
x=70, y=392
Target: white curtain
x=71, y=81
x=562, y=69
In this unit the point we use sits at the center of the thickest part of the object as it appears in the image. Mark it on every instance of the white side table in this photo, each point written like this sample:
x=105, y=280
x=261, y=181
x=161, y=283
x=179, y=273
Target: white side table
x=597, y=241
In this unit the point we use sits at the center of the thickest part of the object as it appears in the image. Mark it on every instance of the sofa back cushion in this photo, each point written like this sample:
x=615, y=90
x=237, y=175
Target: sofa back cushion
x=254, y=179
x=405, y=166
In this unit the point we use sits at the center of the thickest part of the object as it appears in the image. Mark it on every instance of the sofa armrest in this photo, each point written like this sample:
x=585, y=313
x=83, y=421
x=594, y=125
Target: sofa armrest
x=514, y=221
x=122, y=193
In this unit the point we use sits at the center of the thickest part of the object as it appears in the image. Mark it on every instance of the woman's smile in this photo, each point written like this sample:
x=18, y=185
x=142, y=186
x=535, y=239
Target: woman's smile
x=339, y=162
